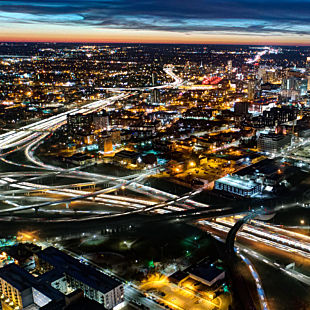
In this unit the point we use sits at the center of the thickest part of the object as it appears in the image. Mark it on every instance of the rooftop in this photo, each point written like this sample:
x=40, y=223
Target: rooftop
x=127, y=154
x=22, y=280
x=237, y=182
x=17, y=277
x=273, y=136
x=266, y=166
x=72, y=267
x=208, y=273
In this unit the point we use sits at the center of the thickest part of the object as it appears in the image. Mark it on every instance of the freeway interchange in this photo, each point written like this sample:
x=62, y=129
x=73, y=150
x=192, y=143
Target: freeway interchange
x=31, y=136
x=22, y=193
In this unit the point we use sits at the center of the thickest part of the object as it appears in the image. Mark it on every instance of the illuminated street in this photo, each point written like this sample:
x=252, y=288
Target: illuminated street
x=182, y=297
x=154, y=176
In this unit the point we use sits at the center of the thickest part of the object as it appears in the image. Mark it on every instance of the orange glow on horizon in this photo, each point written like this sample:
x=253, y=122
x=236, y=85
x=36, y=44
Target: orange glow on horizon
x=31, y=33
x=152, y=41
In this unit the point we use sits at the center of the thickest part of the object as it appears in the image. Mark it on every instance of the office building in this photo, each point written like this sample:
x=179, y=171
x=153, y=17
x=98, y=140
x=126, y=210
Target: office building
x=241, y=108
x=281, y=115
x=154, y=78
x=308, y=63
x=100, y=121
x=87, y=123
x=251, y=90
x=155, y=96
x=294, y=87
x=272, y=143
x=229, y=65
x=235, y=185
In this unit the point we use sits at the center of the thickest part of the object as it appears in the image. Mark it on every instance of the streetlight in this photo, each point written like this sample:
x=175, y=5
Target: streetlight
x=192, y=164
x=302, y=222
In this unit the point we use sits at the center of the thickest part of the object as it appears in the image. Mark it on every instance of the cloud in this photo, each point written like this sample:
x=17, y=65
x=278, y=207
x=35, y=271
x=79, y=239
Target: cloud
x=226, y=16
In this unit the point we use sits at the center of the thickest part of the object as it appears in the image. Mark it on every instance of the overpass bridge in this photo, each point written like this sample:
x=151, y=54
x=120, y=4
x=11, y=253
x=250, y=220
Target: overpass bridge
x=231, y=236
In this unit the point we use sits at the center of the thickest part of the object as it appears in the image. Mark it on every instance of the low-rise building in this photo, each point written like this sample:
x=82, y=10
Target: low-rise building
x=204, y=272
x=235, y=185
x=68, y=274
x=80, y=159
x=21, y=290
x=127, y=158
x=207, y=275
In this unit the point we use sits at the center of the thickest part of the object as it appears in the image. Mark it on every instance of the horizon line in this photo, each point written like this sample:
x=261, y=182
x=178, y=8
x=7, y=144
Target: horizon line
x=150, y=43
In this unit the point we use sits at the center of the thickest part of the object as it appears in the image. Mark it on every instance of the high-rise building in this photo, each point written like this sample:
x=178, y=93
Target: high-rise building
x=267, y=75
x=155, y=96
x=290, y=84
x=79, y=123
x=295, y=87
x=308, y=63
x=86, y=123
x=241, y=108
x=154, y=78
x=100, y=121
x=229, y=65
x=251, y=90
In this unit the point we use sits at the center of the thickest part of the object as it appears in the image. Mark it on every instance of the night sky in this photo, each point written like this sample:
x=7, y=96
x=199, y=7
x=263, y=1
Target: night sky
x=162, y=21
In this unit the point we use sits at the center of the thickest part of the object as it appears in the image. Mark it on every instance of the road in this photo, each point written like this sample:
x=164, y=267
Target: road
x=168, y=70
x=178, y=207
x=245, y=241
x=15, y=138
x=31, y=137
x=24, y=134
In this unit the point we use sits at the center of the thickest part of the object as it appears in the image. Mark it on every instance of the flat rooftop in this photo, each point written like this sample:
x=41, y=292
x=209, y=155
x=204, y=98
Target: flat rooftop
x=208, y=273
x=235, y=181
x=127, y=154
x=88, y=275
x=178, y=276
x=266, y=166
x=17, y=277
x=273, y=136
x=22, y=280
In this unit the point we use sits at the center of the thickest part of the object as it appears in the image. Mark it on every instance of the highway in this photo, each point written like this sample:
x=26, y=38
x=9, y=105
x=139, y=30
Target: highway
x=168, y=70
x=304, y=246
x=260, y=291
x=98, y=196
x=31, y=136
x=172, y=206
x=24, y=134
x=242, y=251
x=219, y=230
x=278, y=241
x=258, y=56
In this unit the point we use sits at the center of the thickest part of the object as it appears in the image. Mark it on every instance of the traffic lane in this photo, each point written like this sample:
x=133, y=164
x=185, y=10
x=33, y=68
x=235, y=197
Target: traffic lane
x=275, y=254
x=283, y=292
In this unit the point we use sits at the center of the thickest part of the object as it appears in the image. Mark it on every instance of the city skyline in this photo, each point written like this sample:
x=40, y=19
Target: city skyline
x=155, y=154
x=139, y=21
x=188, y=166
